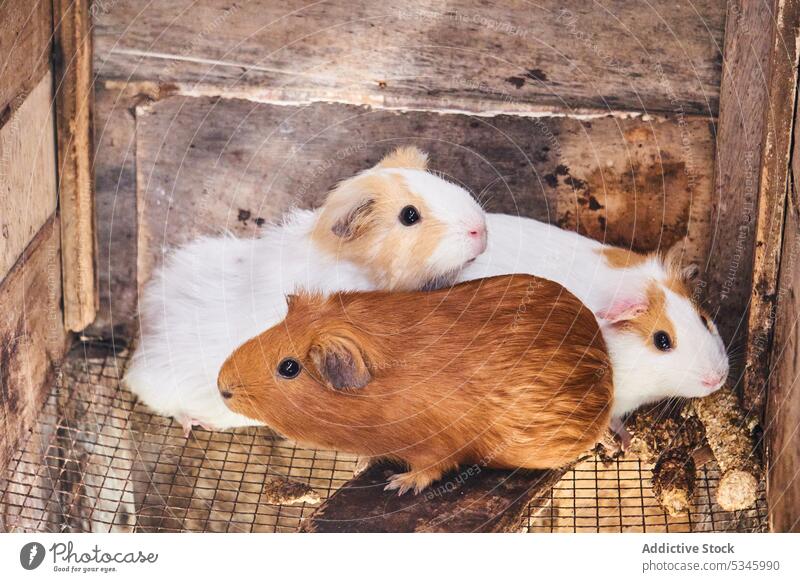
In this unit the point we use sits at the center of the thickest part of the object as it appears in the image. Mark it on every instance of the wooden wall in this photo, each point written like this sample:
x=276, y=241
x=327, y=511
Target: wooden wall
x=32, y=336
x=217, y=115
x=775, y=316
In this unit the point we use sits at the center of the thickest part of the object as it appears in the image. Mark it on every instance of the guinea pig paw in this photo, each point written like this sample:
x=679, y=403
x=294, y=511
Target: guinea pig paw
x=623, y=436
x=405, y=482
x=189, y=423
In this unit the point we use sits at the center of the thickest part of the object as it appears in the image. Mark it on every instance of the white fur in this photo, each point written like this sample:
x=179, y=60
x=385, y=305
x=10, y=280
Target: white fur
x=214, y=294
x=448, y=201
x=641, y=373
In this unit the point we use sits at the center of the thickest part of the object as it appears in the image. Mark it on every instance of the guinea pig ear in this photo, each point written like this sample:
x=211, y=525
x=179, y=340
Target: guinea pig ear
x=340, y=362
x=355, y=220
x=690, y=272
x=408, y=157
x=623, y=309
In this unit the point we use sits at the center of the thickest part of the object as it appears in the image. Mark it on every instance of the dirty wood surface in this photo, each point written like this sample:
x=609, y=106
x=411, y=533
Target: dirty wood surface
x=114, y=166
x=32, y=337
x=782, y=416
x=740, y=135
x=474, y=500
x=207, y=165
x=25, y=31
x=27, y=173
x=783, y=404
x=470, y=55
x=74, y=96
x=774, y=178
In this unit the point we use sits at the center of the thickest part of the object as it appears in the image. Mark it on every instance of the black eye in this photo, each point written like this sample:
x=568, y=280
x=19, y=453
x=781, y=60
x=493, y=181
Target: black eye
x=662, y=341
x=409, y=215
x=289, y=368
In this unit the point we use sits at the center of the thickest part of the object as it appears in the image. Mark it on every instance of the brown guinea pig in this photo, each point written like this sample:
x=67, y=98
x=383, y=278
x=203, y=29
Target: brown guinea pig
x=508, y=372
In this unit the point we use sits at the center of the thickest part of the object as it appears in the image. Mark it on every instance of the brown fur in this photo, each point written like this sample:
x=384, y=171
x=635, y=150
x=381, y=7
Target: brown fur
x=509, y=371
x=619, y=258
x=359, y=223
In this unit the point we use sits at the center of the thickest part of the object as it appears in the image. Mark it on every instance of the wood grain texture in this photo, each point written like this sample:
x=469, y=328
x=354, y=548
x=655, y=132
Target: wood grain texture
x=26, y=28
x=208, y=165
x=27, y=173
x=32, y=336
x=115, y=206
x=474, y=56
x=783, y=404
x=740, y=135
x=472, y=500
x=76, y=199
x=774, y=178
x=782, y=416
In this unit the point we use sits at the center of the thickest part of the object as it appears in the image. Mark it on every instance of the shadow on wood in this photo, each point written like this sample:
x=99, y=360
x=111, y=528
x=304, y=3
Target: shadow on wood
x=472, y=500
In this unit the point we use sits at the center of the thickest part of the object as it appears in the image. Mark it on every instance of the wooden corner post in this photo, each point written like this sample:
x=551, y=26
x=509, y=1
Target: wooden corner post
x=74, y=104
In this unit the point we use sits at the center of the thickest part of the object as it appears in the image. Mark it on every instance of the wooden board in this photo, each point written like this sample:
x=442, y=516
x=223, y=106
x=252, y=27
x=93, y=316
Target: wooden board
x=205, y=165
x=773, y=184
x=25, y=31
x=472, y=500
x=32, y=337
x=76, y=199
x=740, y=135
x=783, y=404
x=27, y=173
x=470, y=55
x=782, y=416
x=114, y=167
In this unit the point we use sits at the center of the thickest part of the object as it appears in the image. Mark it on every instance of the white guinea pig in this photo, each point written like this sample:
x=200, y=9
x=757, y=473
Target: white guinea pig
x=660, y=342
x=394, y=226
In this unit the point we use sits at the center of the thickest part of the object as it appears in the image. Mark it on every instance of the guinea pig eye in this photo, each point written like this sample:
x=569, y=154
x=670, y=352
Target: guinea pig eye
x=289, y=368
x=662, y=341
x=409, y=215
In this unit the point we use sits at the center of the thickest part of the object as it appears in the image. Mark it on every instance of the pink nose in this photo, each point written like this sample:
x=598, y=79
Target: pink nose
x=712, y=380
x=478, y=235
x=477, y=231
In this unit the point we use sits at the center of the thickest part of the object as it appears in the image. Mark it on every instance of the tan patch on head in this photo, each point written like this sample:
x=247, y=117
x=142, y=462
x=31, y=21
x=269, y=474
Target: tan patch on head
x=396, y=256
x=677, y=284
x=653, y=319
x=677, y=278
x=408, y=157
x=619, y=258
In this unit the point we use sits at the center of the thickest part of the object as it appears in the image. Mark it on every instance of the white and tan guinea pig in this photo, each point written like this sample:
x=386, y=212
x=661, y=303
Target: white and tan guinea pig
x=395, y=226
x=661, y=343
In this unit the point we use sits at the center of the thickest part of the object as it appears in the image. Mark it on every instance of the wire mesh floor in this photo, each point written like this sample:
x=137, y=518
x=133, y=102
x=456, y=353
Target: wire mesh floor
x=99, y=461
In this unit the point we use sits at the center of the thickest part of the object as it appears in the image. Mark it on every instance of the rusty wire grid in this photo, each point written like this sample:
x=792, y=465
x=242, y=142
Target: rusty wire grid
x=99, y=461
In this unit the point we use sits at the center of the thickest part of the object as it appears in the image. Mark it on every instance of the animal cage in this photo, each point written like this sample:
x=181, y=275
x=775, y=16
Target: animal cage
x=131, y=470
x=632, y=123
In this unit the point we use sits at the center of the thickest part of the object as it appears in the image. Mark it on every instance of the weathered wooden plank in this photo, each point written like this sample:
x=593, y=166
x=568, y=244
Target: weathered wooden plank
x=114, y=167
x=206, y=165
x=782, y=415
x=474, y=499
x=740, y=135
x=774, y=178
x=783, y=403
x=27, y=173
x=470, y=55
x=32, y=336
x=76, y=198
x=26, y=28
